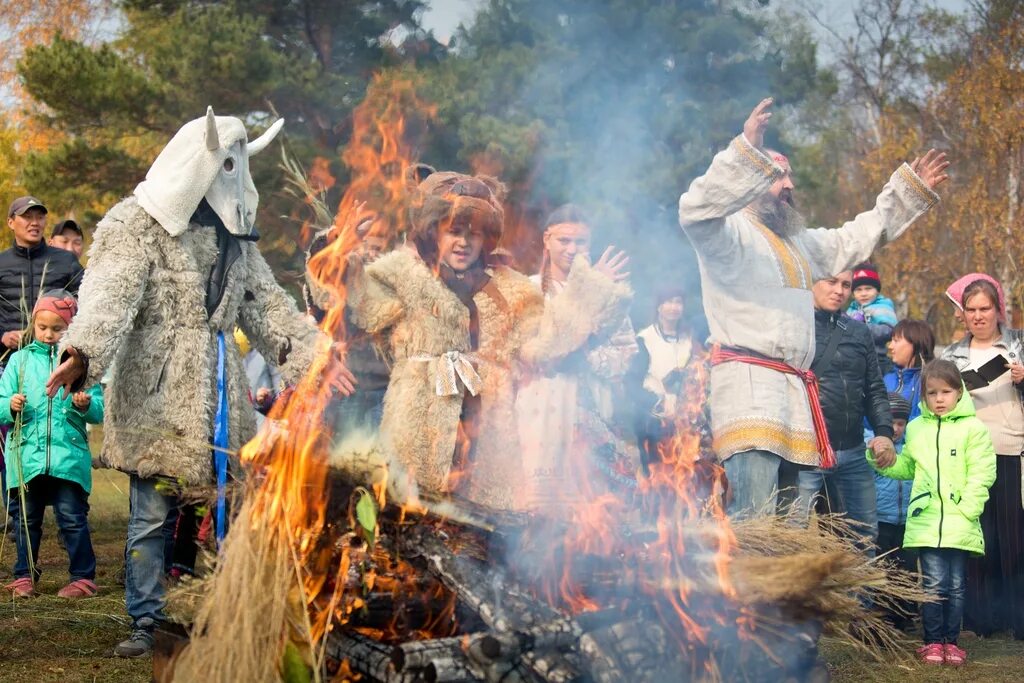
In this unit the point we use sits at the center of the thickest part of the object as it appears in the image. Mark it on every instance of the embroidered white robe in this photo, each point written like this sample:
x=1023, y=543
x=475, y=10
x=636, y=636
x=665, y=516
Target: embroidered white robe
x=756, y=290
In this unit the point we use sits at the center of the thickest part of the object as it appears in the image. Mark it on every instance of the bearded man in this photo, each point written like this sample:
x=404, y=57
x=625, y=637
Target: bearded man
x=758, y=262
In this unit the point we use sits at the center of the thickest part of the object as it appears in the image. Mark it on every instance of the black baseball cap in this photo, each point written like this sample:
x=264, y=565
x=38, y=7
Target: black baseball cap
x=23, y=204
x=66, y=224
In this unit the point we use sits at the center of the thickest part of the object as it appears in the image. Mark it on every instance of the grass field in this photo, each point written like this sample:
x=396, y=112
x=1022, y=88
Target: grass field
x=47, y=639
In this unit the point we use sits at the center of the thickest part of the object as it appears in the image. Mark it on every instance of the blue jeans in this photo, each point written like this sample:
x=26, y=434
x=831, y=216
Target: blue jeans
x=71, y=508
x=849, y=488
x=944, y=572
x=758, y=482
x=146, y=549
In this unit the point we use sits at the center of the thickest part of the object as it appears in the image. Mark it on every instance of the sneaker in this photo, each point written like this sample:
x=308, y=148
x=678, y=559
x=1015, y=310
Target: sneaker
x=22, y=588
x=955, y=656
x=79, y=588
x=933, y=653
x=140, y=642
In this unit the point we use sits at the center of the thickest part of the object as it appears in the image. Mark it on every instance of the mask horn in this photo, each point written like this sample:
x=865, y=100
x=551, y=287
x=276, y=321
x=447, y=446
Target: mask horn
x=260, y=143
x=212, y=141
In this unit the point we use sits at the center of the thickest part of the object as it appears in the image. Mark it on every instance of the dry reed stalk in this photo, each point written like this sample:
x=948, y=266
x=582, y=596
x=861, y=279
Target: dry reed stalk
x=816, y=570
x=252, y=607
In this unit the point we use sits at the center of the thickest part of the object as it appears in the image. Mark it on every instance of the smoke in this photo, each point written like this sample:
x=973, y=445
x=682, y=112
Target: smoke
x=621, y=106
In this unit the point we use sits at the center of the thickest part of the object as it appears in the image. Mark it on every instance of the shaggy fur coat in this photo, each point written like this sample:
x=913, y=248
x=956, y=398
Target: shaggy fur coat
x=142, y=315
x=420, y=428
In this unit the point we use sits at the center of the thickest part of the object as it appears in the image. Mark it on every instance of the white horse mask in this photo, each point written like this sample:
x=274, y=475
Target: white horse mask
x=207, y=157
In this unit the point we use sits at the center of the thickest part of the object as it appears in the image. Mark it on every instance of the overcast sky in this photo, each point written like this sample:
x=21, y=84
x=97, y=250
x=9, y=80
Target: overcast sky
x=443, y=16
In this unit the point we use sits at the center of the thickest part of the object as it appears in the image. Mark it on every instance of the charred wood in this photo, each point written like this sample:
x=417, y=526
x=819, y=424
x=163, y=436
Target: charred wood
x=366, y=656
x=418, y=654
x=502, y=606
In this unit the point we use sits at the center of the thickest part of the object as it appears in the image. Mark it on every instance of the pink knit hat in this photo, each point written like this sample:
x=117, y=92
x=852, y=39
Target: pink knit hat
x=59, y=302
x=955, y=292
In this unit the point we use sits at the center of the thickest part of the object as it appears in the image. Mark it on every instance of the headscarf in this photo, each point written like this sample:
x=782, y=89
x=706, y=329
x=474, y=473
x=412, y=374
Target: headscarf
x=955, y=292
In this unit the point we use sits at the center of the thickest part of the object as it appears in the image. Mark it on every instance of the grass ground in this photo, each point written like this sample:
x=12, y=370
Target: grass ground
x=52, y=639
x=47, y=639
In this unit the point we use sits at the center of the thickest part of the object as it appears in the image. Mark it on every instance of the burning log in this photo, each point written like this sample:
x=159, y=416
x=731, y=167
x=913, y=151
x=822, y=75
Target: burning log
x=552, y=667
x=634, y=650
x=474, y=583
x=385, y=612
x=366, y=656
x=418, y=654
x=455, y=668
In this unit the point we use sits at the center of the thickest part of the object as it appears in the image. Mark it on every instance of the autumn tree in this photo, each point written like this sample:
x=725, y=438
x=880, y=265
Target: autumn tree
x=978, y=113
x=118, y=103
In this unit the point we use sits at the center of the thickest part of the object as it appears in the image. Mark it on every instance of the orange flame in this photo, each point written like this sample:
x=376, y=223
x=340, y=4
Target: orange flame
x=290, y=452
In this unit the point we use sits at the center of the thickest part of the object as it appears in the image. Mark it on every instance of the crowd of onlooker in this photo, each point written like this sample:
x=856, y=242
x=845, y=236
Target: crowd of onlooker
x=595, y=414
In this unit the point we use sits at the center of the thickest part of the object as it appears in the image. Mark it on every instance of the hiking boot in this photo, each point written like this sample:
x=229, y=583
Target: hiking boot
x=933, y=653
x=955, y=656
x=140, y=642
x=22, y=588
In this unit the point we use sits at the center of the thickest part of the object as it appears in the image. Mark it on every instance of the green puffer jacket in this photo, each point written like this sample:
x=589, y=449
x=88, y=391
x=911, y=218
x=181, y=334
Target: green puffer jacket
x=52, y=439
x=953, y=464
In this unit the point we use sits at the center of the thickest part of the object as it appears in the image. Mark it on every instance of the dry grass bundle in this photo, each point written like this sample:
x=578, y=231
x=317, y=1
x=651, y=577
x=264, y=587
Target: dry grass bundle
x=817, y=571
x=250, y=606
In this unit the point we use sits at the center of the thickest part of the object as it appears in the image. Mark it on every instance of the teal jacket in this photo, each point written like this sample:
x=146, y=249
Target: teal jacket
x=52, y=439
x=953, y=464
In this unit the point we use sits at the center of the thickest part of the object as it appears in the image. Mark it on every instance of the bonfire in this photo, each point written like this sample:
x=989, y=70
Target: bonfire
x=336, y=569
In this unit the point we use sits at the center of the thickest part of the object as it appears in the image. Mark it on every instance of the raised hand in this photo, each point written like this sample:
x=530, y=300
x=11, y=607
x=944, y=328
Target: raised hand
x=340, y=377
x=931, y=168
x=757, y=123
x=612, y=264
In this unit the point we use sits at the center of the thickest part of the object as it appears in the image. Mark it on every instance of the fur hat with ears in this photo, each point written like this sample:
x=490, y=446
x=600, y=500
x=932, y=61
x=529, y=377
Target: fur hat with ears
x=448, y=197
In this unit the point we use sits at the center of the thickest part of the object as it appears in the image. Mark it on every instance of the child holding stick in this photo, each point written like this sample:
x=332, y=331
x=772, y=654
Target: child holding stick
x=47, y=452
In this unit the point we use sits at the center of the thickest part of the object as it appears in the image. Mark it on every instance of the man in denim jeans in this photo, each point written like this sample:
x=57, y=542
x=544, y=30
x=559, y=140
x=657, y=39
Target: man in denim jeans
x=173, y=270
x=851, y=390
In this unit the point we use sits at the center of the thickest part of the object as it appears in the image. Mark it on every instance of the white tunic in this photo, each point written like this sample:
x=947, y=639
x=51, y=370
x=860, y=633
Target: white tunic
x=665, y=356
x=756, y=290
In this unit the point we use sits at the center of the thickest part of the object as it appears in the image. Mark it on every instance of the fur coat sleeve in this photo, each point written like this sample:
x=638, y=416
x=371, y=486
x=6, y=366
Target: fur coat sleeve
x=273, y=324
x=112, y=288
x=590, y=304
x=373, y=297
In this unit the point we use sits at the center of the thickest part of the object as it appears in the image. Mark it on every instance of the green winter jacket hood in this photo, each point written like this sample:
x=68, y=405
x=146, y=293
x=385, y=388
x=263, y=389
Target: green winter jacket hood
x=52, y=439
x=953, y=463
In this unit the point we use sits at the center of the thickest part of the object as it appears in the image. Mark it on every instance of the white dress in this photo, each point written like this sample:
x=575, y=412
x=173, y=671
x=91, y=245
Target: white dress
x=571, y=446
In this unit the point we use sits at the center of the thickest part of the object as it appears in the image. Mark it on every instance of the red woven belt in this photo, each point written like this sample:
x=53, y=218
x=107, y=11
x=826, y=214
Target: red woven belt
x=719, y=355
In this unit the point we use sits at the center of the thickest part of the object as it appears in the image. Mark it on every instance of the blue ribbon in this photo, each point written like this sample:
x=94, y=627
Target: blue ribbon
x=220, y=437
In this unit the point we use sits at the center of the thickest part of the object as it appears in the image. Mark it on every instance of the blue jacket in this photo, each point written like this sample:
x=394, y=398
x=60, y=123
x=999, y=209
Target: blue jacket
x=892, y=496
x=52, y=438
x=907, y=383
x=880, y=317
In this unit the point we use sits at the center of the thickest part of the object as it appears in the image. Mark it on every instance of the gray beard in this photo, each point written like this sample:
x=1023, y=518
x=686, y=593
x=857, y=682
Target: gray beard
x=778, y=216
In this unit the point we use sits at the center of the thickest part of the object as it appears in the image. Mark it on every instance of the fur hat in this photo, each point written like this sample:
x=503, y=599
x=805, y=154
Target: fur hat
x=900, y=406
x=440, y=197
x=865, y=274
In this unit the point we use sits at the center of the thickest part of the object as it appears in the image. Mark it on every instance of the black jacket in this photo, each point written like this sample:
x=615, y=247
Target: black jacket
x=21, y=274
x=851, y=385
